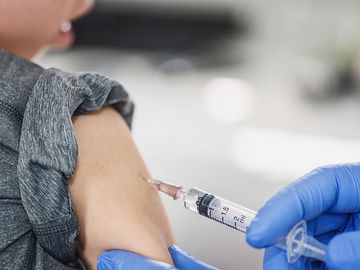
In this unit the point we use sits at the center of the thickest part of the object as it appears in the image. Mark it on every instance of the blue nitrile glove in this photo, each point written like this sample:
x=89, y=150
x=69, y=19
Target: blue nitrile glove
x=329, y=199
x=125, y=260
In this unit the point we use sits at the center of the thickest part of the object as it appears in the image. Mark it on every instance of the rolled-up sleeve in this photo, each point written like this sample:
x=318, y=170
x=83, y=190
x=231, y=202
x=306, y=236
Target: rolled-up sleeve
x=48, y=151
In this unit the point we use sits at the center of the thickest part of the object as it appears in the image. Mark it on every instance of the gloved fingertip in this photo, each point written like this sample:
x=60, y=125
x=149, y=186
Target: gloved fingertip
x=121, y=260
x=179, y=255
x=275, y=258
x=332, y=256
x=254, y=240
x=104, y=264
x=343, y=251
x=174, y=248
x=183, y=260
x=255, y=234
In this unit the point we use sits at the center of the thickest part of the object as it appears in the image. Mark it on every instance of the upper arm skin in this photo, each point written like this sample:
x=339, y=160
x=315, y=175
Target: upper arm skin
x=115, y=207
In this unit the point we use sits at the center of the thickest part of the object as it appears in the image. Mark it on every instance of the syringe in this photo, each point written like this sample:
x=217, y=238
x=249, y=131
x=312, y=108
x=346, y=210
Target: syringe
x=296, y=244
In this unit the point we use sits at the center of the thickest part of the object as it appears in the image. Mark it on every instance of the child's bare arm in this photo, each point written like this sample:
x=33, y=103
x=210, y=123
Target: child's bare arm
x=115, y=207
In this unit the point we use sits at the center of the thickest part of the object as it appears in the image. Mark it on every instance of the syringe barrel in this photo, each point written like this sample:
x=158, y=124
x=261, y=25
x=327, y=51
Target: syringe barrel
x=297, y=243
x=218, y=209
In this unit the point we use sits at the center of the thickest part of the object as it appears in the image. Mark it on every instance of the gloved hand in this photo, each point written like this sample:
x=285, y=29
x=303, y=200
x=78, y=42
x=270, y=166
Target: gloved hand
x=329, y=199
x=125, y=260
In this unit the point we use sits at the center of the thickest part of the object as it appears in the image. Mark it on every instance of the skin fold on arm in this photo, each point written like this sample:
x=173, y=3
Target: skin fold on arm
x=116, y=208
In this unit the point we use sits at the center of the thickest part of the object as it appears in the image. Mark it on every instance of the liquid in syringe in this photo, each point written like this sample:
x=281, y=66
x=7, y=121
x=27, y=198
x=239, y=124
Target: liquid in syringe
x=297, y=243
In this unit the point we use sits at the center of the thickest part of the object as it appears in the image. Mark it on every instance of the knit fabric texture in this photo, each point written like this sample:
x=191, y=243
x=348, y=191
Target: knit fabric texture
x=38, y=155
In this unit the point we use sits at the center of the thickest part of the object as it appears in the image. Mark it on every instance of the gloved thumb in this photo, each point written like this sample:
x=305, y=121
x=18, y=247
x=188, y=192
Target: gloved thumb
x=125, y=260
x=184, y=261
x=343, y=252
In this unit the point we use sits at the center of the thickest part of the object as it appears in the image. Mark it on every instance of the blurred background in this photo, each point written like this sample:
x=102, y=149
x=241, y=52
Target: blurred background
x=236, y=97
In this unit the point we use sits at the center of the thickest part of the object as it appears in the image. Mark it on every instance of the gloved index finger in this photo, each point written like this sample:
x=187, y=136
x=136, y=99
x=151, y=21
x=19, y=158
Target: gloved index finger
x=333, y=188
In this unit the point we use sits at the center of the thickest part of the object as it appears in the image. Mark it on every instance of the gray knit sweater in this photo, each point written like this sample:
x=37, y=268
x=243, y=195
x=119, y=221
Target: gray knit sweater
x=38, y=154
